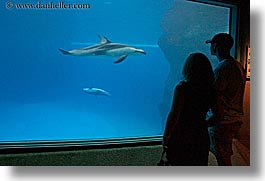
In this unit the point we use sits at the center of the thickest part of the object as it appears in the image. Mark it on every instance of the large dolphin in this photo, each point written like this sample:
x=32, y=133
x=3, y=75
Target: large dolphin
x=106, y=48
x=96, y=91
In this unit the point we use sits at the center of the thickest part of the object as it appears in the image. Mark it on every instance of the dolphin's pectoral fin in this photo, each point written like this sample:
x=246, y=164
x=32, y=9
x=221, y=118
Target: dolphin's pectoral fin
x=121, y=58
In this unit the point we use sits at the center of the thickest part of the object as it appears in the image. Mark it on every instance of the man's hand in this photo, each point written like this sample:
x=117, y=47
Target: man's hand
x=211, y=121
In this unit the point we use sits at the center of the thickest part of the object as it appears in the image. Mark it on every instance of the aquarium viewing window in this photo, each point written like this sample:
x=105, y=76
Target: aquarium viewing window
x=99, y=71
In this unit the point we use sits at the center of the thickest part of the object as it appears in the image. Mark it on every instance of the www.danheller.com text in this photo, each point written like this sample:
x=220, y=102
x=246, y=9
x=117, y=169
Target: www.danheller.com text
x=48, y=5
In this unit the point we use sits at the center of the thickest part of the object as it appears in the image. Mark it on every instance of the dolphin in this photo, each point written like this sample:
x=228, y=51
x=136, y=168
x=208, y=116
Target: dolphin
x=96, y=91
x=106, y=48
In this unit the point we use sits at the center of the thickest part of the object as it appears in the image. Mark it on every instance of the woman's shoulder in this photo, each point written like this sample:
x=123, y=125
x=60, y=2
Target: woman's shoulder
x=182, y=83
x=181, y=86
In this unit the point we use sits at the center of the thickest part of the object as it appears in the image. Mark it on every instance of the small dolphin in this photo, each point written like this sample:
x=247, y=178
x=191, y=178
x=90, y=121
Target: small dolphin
x=96, y=91
x=106, y=48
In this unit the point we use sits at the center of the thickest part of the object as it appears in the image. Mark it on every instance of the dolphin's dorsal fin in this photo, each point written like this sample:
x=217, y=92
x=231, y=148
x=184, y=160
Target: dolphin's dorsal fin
x=103, y=39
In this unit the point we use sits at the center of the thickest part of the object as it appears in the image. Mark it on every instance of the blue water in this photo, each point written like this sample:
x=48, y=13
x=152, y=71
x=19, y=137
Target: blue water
x=41, y=96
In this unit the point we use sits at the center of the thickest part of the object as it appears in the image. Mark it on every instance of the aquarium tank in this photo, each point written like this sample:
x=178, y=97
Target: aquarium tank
x=97, y=69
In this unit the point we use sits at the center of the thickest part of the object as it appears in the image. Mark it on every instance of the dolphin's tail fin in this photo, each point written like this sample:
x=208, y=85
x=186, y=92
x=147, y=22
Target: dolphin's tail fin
x=64, y=52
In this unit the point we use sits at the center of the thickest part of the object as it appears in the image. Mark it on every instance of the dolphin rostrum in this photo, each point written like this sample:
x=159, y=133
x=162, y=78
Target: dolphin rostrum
x=106, y=48
x=96, y=91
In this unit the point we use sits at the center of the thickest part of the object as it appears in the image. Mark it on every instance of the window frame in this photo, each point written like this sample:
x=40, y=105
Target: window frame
x=14, y=147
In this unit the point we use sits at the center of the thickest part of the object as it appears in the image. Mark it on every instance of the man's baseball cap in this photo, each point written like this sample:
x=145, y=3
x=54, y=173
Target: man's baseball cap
x=222, y=39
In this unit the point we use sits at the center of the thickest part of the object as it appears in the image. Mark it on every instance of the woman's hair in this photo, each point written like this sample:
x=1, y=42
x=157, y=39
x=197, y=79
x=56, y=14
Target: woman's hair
x=198, y=70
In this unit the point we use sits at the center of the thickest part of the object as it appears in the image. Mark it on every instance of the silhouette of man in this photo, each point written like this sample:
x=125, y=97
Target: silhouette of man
x=227, y=109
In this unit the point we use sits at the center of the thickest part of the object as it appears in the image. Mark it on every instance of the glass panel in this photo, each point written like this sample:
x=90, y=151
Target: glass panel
x=186, y=25
x=46, y=94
